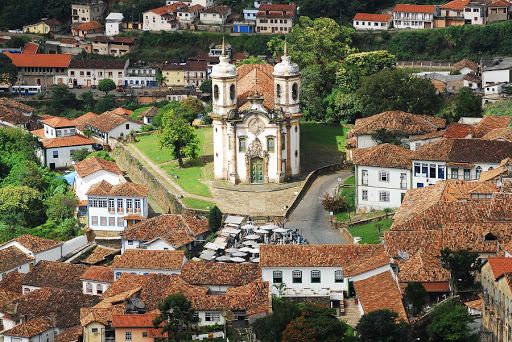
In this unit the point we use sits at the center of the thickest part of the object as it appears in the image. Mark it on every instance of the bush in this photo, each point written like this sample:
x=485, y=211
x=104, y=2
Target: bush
x=214, y=219
x=336, y=204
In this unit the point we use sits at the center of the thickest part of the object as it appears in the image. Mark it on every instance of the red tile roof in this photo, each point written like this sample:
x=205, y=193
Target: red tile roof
x=70, y=334
x=133, y=321
x=150, y=259
x=99, y=273
x=88, y=26
x=456, y=5
x=122, y=111
x=499, y=3
x=75, y=140
x=40, y=60
x=277, y=7
x=168, y=9
x=423, y=267
x=31, y=328
x=58, y=122
x=474, y=304
x=35, y=244
x=30, y=48
x=82, y=121
x=150, y=112
x=100, y=254
x=11, y=282
x=456, y=130
x=104, y=188
x=370, y=293
x=411, y=124
x=488, y=123
x=12, y=257
x=499, y=134
x=109, y=120
x=500, y=266
x=414, y=8
x=465, y=62
x=246, y=86
x=373, y=17
x=94, y=164
x=54, y=274
x=441, y=286
x=384, y=155
x=219, y=273
x=218, y=9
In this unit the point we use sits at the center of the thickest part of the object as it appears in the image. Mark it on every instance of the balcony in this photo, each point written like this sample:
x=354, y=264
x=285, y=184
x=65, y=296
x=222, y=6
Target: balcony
x=120, y=210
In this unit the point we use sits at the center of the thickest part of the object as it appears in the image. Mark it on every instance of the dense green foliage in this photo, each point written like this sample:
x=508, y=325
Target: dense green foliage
x=177, y=318
x=80, y=154
x=449, y=322
x=206, y=86
x=15, y=14
x=452, y=43
x=465, y=104
x=214, y=219
x=462, y=266
x=382, y=325
x=100, y=154
x=8, y=71
x=178, y=137
x=501, y=108
x=417, y=296
x=62, y=99
x=106, y=85
x=271, y=327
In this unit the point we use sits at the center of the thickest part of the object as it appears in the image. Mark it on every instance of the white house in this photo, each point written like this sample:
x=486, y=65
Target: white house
x=383, y=175
x=189, y=15
x=302, y=271
x=36, y=247
x=162, y=18
x=93, y=170
x=14, y=259
x=414, y=16
x=496, y=70
x=411, y=124
x=113, y=23
x=143, y=76
x=110, y=125
x=108, y=204
x=37, y=329
x=60, y=140
x=216, y=15
x=97, y=279
x=149, y=114
x=142, y=262
x=256, y=124
x=204, y=3
x=454, y=130
x=88, y=72
x=475, y=13
x=465, y=67
x=375, y=22
x=494, y=88
x=461, y=159
x=165, y=232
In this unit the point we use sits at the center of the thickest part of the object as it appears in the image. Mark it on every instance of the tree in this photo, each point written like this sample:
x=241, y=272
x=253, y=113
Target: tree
x=382, y=325
x=61, y=99
x=108, y=102
x=417, y=296
x=397, y=90
x=106, y=85
x=21, y=205
x=214, y=219
x=465, y=103
x=177, y=318
x=88, y=100
x=80, y=154
x=462, y=266
x=317, y=323
x=100, y=154
x=206, y=86
x=193, y=105
x=449, y=322
x=160, y=79
x=8, y=71
x=252, y=60
x=317, y=82
x=271, y=327
x=25, y=173
x=383, y=136
x=179, y=137
x=61, y=206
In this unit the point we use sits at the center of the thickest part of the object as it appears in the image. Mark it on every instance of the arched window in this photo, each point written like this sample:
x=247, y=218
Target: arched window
x=232, y=92
x=295, y=91
x=278, y=91
x=270, y=145
x=491, y=168
x=216, y=92
x=478, y=171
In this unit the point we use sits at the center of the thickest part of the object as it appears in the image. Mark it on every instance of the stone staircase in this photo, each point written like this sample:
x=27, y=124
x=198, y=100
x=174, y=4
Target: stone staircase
x=352, y=314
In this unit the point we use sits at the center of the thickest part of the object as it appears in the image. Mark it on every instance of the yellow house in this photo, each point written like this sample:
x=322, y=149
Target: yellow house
x=43, y=27
x=135, y=328
x=174, y=73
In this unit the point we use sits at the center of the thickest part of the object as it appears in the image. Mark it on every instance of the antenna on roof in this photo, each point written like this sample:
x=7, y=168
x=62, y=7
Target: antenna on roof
x=223, y=47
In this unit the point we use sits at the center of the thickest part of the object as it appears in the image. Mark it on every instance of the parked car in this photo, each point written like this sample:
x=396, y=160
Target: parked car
x=138, y=86
x=120, y=89
x=97, y=147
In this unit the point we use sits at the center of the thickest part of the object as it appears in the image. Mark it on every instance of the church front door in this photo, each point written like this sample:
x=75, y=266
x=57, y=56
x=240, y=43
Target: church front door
x=256, y=170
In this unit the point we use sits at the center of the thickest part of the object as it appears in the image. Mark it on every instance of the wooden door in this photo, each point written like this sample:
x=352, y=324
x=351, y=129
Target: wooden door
x=257, y=170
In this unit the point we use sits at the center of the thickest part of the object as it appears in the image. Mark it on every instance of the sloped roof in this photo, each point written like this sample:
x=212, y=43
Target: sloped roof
x=219, y=273
x=93, y=164
x=456, y=5
x=11, y=282
x=247, y=86
x=277, y=7
x=217, y=9
x=456, y=130
x=500, y=266
x=414, y=8
x=423, y=267
x=35, y=244
x=30, y=328
x=122, y=111
x=109, y=120
x=30, y=48
x=115, y=64
x=150, y=112
x=12, y=257
x=42, y=60
x=411, y=124
x=71, y=334
x=99, y=255
x=58, y=122
x=499, y=3
x=82, y=121
x=465, y=63
x=169, y=8
x=133, y=320
x=99, y=273
x=384, y=155
x=104, y=188
x=150, y=259
x=489, y=122
x=74, y=140
x=373, y=17
x=504, y=133
x=55, y=274
x=88, y=26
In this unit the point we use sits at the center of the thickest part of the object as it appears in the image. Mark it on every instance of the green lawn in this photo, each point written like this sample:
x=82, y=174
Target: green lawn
x=350, y=180
x=349, y=194
x=369, y=231
x=148, y=144
x=322, y=137
x=197, y=203
x=189, y=178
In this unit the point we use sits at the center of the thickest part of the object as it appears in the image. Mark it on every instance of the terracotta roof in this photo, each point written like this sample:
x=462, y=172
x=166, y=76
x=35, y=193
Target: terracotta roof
x=373, y=17
x=75, y=140
x=11, y=282
x=88, y=26
x=12, y=257
x=370, y=293
x=411, y=124
x=62, y=305
x=113, y=40
x=133, y=217
x=52, y=22
x=10, y=103
x=173, y=67
x=501, y=207
x=104, y=188
x=500, y=266
x=384, y=155
x=115, y=64
x=42, y=60
x=277, y=7
x=499, y=3
x=133, y=321
x=178, y=230
x=274, y=14
x=414, y=8
x=70, y=334
x=35, y=244
x=93, y=164
x=239, y=56
x=150, y=112
x=492, y=174
x=440, y=286
x=7, y=297
x=82, y=121
x=30, y=328
x=432, y=135
x=150, y=259
x=193, y=8
x=218, y=273
x=474, y=304
x=488, y=123
x=99, y=254
x=350, y=257
x=351, y=142
x=122, y=111
x=58, y=122
x=30, y=48
x=109, y=120
x=100, y=315
x=456, y=130
x=246, y=86
x=423, y=267
x=465, y=150
x=465, y=63
x=99, y=273
x=499, y=134
x=55, y=274
x=456, y=5
x=197, y=65
x=168, y=9
x=218, y=9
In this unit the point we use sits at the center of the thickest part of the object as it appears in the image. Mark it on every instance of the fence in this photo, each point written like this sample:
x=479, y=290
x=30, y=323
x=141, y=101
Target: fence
x=425, y=64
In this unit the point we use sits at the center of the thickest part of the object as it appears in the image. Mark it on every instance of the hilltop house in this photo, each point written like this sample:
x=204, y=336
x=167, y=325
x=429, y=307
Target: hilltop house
x=92, y=170
x=275, y=19
x=110, y=125
x=36, y=247
x=375, y=22
x=86, y=29
x=113, y=46
x=215, y=15
x=163, y=18
x=89, y=73
x=83, y=11
x=43, y=27
x=113, y=23
x=451, y=14
x=414, y=16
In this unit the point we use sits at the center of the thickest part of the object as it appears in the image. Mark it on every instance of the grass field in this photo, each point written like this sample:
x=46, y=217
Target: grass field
x=197, y=203
x=370, y=232
x=350, y=180
x=322, y=137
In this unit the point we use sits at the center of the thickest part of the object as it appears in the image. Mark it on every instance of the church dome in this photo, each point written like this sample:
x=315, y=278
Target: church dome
x=224, y=68
x=286, y=67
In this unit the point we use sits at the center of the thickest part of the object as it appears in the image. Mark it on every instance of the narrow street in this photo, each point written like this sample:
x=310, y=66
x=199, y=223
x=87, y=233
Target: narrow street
x=310, y=217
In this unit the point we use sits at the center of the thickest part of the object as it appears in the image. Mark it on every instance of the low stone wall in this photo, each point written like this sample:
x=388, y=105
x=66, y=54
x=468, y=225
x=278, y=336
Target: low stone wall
x=373, y=219
x=343, y=226
x=346, y=235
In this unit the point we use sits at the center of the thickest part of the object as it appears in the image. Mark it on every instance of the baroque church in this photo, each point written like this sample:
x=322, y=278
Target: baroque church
x=256, y=115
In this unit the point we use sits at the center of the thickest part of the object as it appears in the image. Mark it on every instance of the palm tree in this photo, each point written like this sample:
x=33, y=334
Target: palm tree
x=161, y=79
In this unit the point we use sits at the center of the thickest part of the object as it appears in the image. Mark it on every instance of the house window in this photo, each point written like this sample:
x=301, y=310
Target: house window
x=432, y=171
x=103, y=221
x=384, y=176
x=364, y=195
x=364, y=178
x=455, y=173
x=467, y=174
x=440, y=172
x=55, y=154
x=417, y=169
x=128, y=335
x=403, y=180
x=384, y=196
x=94, y=330
x=297, y=277
x=129, y=206
x=241, y=145
x=130, y=242
x=111, y=221
x=211, y=316
x=278, y=276
x=94, y=220
x=137, y=206
x=127, y=126
x=99, y=289
x=270, y=144
x=424, y=169
x=338, y=276
x=144, y=334
x=478, y=172
x=111, y=208
x=88, y=287
x=119, y=205
x=315, y=277
x=120, y=222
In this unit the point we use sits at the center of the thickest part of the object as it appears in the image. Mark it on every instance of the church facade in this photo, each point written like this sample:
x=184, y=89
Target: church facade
x=256, y=115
